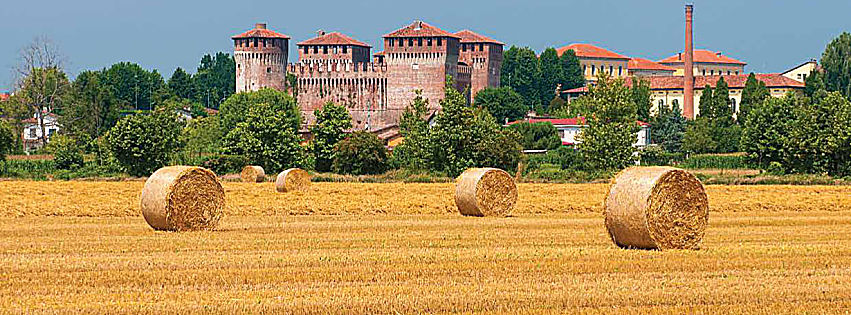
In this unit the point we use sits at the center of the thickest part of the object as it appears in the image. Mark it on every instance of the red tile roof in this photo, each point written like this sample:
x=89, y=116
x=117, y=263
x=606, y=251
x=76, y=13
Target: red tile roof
x=583, y=89
x=772, y=80
x=468, y=36
x=334, y=38
x=420, y=29
x=576, y=121
x=380, y=53
x=644, y=64
x=590, y=51
x=703, y=56
x=260, y=31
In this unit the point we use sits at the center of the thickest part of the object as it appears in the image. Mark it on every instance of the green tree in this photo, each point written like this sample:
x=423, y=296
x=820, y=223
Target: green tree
x=706, y=106
x=413, y=152
x=668, y=128
x=91, y=110
x=766, y=131
x=66, y=154
x=572, y=76
x=43, y=90
x=641, y=97
x=551, y=76
x=836, y=62
x=753, y=94
x=332, y=121
x=503, y=103
x=523, y=74
x=722, y=106
x=143, y=143
x=233, y=110
x=134, y=87
x=537, y=136
x=814, y=83
x=202, y=135
x=268, y=136
x=181, y=84
x=509, y=66
x=699, y=137
x=822, y=136
x=215, y=79
x=607, y=142
x=557, y=104
x=7, y=140
x=360, y=153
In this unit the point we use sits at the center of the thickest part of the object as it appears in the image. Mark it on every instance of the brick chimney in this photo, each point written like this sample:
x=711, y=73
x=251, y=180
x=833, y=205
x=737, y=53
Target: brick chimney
x=260, y=26
x=320, y=33
x=688, y=68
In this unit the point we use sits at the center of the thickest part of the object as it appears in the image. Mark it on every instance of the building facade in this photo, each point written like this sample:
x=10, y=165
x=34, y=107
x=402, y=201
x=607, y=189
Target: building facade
x=642, y=67
x=800, y=72
x=706, y=63
x=376, y=89
x=595, y=60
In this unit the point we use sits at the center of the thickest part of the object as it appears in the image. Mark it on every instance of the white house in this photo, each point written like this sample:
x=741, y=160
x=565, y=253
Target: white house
x=569, y=128
x=32, y=130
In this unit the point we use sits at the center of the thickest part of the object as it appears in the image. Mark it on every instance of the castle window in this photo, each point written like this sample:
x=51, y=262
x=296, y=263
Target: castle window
x=429, y=42
x=324, y=49
x=335, y=49
x=481, y=47
x=463, y=47
x=401, y=42
x=675, y=103
x=420, y=41
x=391, y=42
x=704, y=71
x=620, y=70
x=345, y=49
x=411, y=42
x=611, y=69
x=268, y=69
x=584, y=68
x=315, y=49
x=728, y=72
x=255, y=42
x=272, y=42
x=439, y=41
x=305, y=48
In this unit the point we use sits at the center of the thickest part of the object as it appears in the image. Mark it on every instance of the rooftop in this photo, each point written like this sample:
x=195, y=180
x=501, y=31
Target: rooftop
x=644, y=64
x=576, y=121
x=420, y=29
x=772, y=80
x=260, y=31
x=468, y=36
x=334, y=38
x=590, y=51
x=703, y=56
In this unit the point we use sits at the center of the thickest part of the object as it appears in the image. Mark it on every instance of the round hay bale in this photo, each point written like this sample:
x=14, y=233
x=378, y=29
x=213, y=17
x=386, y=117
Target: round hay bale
x=183, y=198
x=294, y=179
x=656, y=208
x=252, y=174
x=485, y=192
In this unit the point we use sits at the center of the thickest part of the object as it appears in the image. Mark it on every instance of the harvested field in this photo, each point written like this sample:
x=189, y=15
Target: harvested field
x=76, y=198
x=751, y=262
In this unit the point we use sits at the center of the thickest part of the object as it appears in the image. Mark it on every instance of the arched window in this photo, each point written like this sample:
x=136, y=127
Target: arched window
x=593, y=69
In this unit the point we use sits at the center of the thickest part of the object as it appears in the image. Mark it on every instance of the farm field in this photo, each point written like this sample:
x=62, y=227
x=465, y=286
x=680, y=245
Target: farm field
x=83, y=247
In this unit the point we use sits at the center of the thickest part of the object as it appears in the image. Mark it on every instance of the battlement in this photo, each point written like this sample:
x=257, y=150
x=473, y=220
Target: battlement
x=319, y=68
x=465, y=69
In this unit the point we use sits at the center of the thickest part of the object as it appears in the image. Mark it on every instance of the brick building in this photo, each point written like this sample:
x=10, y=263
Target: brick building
x=333, y=67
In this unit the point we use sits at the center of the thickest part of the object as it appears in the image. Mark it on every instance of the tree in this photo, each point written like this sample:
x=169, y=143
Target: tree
x=607, y=142
x=503, y=103
x=233, y=110
x=202, y=135
x=668, y=128
x=705, y=107
x=332, y=121
x=141, y=144
x=135, y=87
x=641, y=97
x=766, y=134
x=699, y=137
x=822, y=136
x=215, y=79
x=41, y=82
x=557, y=104
x=753, y=94
x=814, y=83
x=551, y=76
x=66, y=153
x=361, y=153
x=414, y=152
x=572, y=76
x=537, y=136
x=181, y=84
x=722, y=106
x=715, y=122
x=268, y=136
x=524, y=76
x=7, y=140
x=509, y=66
x=92, y=110
x=836, y=62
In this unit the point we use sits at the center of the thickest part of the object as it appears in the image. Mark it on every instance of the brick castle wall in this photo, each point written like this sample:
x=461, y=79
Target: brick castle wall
x=260, y=63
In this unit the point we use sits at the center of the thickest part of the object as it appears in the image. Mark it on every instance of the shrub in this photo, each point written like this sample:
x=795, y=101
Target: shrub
x=655, y=155
x=725, y=161
x=66, y=153
x=143, y=143
x=224, y=164
x=7, y=139
x=268, y=137
x=359, y=154
x=538, y=136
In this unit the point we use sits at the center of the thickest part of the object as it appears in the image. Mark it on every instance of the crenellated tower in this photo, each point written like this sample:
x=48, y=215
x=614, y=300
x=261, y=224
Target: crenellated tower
x=261, y=59
x=484, y=56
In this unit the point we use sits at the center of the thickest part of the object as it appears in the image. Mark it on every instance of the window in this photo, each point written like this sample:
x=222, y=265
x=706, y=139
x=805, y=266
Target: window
x=620, y=70
x=305, y=49
x=799, y=76
x=32, y=133
x=481, y=47
x=273, y=42
x=584, y=69
x=237, y=66
x=711, y=72
x=50, y=132
x=611, y=69
x=345, y=49
x=593, y=69
x=439, y=41
x=420, y=41
x=324, y=49
x=429, y=42
x=411, y=42
x=268, y=69
x=737, y=72
x=255, y=42
x=463, y=47
x=401, y=42
x=315, y=49
x=391, y=42
x=728, y=72
x=704, y=72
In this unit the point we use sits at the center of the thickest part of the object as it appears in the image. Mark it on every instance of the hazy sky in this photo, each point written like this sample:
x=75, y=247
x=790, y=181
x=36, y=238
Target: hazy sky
x=770, y=35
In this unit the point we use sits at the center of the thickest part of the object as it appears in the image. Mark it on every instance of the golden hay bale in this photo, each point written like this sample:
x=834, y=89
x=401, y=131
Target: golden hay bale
x=485, y=192
x=292, y=180
x=656, y=208
x=181, y=198
x=253, y=174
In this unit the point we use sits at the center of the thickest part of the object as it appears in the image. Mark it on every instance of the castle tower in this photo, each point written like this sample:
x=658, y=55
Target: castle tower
x=419, y=57
x=261, y=59
x=484, y=55
x=333, y=47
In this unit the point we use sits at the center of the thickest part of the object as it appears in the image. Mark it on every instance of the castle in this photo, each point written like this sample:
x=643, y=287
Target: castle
x=376, y=89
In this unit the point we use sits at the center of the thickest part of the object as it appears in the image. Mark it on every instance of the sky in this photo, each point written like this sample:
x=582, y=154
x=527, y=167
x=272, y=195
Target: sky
x=770, y=35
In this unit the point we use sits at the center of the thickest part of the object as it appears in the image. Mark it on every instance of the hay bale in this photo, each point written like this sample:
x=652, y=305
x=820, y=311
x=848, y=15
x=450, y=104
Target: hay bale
x=293, y=179
x=181, y=198
x=252, y=174
x=485, y=192
x=656, y=208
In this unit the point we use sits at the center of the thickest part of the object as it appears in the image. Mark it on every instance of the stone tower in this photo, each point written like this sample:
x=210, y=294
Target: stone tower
x=484, y=56
x=261, y=59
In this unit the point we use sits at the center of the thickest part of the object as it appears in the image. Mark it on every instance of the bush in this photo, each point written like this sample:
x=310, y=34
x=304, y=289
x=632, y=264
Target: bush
x=655, y=155
x=66, y=153
x=268, y=137
x=360, y=153
x=538, y=136
x=224, y=164
x=7, y=140
x=143, y=143
x=725, y=161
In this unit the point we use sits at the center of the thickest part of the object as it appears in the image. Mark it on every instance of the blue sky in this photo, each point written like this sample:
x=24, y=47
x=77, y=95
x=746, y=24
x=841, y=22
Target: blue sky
x=770, y=36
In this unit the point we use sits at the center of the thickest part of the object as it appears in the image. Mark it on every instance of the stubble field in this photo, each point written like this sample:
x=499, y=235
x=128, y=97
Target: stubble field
x=83, y=247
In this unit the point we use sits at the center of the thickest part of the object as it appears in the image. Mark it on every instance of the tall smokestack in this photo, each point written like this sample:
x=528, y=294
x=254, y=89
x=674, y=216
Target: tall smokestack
x=688, y=68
